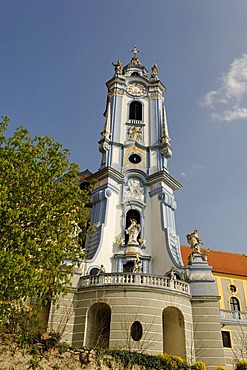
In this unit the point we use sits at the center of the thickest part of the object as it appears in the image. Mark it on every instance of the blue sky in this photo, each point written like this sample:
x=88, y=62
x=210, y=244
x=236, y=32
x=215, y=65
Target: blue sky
x=56, y=55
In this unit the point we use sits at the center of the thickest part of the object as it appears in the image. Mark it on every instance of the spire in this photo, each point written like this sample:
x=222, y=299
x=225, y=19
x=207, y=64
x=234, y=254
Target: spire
x=135, y=66
x=165, y=139
x=135, y=60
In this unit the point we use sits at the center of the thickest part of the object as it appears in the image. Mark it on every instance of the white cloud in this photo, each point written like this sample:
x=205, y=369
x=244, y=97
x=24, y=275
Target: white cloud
x=230, y=115
x=229, y=101
x=192, y=171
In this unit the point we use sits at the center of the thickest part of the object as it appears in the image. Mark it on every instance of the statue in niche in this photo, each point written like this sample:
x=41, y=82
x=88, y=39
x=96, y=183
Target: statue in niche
x=135, y=133
x=137, y=264
x=133, y=191
x=194, y=240
x=133, y=232
x=118, y=67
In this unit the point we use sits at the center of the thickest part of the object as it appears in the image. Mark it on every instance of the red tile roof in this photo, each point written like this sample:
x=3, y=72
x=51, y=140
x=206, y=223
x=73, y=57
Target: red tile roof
x=222, y=262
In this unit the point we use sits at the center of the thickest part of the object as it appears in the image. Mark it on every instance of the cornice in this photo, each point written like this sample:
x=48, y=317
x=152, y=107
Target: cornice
x=107, y=172
x=166, y=177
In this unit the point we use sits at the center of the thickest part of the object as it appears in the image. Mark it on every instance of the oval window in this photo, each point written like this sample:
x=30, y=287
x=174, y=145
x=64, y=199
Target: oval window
x=232, y=288
x=135, y=158
x=136, y=331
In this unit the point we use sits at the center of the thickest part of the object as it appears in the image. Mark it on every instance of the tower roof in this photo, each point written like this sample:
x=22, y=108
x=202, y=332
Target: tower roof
x=135, y=66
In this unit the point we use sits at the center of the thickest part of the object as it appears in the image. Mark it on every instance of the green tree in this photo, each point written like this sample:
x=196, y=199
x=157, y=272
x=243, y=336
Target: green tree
x=41, y=206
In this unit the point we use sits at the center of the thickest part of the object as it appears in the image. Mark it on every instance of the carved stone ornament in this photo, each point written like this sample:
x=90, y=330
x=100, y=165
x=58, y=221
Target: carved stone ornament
x=136, y=89
x=119, y=240
x=134, y=191
x=137, y=264
x=142, y=242
x=135, y=133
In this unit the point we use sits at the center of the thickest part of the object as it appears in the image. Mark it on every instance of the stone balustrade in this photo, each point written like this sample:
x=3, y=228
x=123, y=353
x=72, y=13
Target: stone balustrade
x=228, y=315
x=134, y=279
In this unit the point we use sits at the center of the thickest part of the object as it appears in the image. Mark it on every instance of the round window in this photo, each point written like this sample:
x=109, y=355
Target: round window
x=136, y=331
x=135, y=158
x=232, y=288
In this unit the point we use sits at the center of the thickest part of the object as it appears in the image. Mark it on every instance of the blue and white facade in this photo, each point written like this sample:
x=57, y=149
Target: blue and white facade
x=133, y=180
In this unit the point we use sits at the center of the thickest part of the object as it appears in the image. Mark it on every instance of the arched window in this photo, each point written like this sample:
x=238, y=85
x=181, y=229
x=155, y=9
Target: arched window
x=132, y=214
x=135, y=111
x=94, y=271
x=234, y=303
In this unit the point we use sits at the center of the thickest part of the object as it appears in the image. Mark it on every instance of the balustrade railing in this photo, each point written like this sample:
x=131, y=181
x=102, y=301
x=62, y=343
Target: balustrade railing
x=135, y=121
x=228, y=315
x=134, y=279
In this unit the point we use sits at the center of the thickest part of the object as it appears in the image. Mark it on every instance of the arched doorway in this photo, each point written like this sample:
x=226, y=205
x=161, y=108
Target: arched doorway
x=173, y=332
x=98, y=325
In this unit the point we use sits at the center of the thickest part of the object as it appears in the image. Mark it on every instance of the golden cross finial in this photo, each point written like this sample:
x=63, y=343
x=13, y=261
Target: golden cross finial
x=135, y=51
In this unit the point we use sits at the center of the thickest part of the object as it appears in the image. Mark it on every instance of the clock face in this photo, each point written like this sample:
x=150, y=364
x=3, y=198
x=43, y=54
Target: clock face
x=136, y=89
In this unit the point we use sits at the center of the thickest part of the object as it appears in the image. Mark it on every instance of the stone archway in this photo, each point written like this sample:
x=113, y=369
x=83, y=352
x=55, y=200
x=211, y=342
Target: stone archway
x=98, y=325
x=173, y=332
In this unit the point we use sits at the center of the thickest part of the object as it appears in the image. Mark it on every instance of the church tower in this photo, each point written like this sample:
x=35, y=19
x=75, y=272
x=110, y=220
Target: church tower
x=132, y=290
x=133, y=202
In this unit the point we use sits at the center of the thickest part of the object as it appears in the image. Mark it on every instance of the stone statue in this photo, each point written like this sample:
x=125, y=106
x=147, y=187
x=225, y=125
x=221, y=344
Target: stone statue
x=155, y=71
x=172, y=274
x=118, y=67
x=137, y=264
x=102, y=270
x=133, y=231
x=194, y=240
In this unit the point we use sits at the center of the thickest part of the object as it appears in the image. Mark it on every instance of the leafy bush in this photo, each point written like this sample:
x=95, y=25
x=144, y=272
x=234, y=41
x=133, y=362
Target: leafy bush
x=241, y=365
x=164, y=361
x=23, y=324
x=220, y=367
x=174, y=362
x=199, y=365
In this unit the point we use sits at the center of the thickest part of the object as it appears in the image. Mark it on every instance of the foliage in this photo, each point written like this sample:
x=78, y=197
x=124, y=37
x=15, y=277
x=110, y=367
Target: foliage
x=41, y=207
x=24, y=324
x=220, y=367
x=199, y=365
x=175, y=362
x=241, y=365
x=164, y=361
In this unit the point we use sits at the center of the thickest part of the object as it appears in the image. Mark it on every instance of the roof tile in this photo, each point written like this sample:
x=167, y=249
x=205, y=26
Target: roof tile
x=222, y=262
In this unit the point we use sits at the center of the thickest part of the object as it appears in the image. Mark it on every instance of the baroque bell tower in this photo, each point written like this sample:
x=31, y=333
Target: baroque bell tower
x=133, y=202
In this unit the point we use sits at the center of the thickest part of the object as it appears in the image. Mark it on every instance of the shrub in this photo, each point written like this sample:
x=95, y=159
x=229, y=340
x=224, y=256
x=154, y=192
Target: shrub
x=241, y=365
x=199, y=365
x=174, y=362
x=220, y=367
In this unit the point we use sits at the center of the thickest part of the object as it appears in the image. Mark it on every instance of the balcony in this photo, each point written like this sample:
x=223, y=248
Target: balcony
x=135, y=280
x=135, y=122
x=233, y=316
